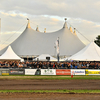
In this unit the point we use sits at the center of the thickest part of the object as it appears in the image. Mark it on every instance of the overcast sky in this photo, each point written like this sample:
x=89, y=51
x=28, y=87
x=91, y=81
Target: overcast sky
x=84, y=15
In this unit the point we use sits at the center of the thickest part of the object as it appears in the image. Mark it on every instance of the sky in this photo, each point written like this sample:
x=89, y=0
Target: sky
x=84, y=15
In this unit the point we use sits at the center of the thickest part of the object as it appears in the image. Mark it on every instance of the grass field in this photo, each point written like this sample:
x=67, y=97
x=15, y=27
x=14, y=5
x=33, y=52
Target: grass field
x=50, y=91
x=50, y=77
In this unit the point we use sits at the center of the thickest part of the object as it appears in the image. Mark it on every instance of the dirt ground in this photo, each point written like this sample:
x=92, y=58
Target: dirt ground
x=6, y=84
x=48, y=96
x=49, y=84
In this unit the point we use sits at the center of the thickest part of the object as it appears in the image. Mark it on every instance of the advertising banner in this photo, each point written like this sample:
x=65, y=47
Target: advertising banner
x=30, y=71
x=4, y=71
x=16, y=72
x=92, y=72
x=48, y=71
x=63, y=72
x=77, y=71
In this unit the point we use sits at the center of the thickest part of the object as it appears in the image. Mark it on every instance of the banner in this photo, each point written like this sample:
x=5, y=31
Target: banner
x=48, y=71
x=30, y=71
x=77, y=71
x=63, y=72
x=16, y=72
x=92, y=72
x=5, y=72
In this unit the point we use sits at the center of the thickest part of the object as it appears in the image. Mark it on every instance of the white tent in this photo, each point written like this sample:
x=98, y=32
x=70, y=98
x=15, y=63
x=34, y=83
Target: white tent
x=59, y=60
x=89, y=53
x=42, y=57
x=22, y=60
x=9, y=54
x=34, y=43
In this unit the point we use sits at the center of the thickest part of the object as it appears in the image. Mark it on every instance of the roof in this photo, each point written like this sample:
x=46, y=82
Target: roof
x=89, y=53
x=9, y=54
x=31, y=42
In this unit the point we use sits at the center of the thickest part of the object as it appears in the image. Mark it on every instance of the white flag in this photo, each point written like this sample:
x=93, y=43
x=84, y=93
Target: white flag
x=57, y=48
x=57, y=45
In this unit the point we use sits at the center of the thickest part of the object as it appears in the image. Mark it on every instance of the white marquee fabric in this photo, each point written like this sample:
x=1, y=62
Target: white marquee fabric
x=9, y=55
x=59, y=60
x=33, y=43
x=42, y=57
x=89, y=53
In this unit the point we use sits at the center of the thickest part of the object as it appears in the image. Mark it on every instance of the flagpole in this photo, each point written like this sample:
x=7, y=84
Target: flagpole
x=58, y=57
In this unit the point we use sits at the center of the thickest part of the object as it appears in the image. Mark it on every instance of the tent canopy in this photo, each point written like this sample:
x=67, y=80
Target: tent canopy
x=42, y=57
x=34, y=43
x=89, y=53
x=9, y=54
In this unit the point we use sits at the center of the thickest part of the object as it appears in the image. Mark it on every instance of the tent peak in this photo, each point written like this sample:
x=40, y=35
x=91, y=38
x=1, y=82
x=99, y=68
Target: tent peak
x=65, y=19
x=65, y=24
x=28, y=24
x=89, y=53
x=9, y=54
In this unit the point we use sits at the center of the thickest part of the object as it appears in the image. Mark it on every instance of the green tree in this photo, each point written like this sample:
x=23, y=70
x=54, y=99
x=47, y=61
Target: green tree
x=97, y=41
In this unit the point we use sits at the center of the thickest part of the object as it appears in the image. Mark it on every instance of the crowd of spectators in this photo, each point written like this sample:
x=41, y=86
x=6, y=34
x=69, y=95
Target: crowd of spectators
x=51, y=65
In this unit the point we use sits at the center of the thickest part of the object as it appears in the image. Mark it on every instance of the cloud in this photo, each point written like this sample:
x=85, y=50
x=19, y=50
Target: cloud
x=84, y=9
x=82, y=14
x=87, y=28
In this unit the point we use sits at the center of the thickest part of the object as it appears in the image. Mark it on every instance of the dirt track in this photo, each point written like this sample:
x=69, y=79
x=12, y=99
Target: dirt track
x=49, y=84
x=48, y=96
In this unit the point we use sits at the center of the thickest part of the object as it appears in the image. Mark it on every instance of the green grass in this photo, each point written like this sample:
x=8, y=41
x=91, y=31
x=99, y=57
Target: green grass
x=32, y=77
x=50, y=91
